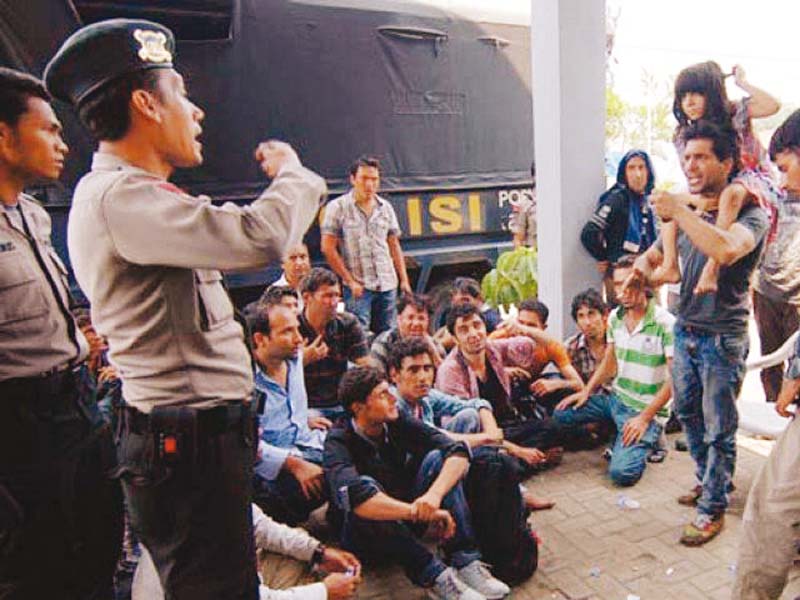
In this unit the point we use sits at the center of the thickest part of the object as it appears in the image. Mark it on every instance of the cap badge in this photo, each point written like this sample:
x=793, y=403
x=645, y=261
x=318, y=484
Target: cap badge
x=153, y=46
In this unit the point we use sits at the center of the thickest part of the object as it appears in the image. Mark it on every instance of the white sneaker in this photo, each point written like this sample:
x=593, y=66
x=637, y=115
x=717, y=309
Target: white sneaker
x=478, y=577
x=449, y=587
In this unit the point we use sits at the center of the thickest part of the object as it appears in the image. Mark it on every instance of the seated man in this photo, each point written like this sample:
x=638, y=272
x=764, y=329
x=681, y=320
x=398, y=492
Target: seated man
x=413, y=319
x=288, y=481
x=587, y=347
x=283, y=566
x=332, y=339
x=471, y=421
x=478, y=367
x=296, y=266
x=639, y=352
x=548, y=390
x=390, y=474
x=466, y=289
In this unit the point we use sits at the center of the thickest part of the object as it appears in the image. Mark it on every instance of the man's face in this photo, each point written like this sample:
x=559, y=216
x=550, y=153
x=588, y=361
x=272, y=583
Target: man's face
x=283, y=340
x=366, y=182
x=33, y=149
x=296, y=265
x=413, y=322
x=414, y=379
x=470, y=334
x=180, y=124
x=591, y=322
x=636, y=175
x=291, y=303
x=705, y=173
x=530, y=318
x=323, y=302
x=693, y=105
x=633, y=296
x=788, y=163
x=462, y=298
x=380, y=406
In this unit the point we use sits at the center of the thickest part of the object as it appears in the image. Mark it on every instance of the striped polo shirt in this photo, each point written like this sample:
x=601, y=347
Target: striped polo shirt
x=641, y=355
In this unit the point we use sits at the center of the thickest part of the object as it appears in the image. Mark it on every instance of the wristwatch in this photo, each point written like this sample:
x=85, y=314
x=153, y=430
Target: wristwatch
x=319, y=555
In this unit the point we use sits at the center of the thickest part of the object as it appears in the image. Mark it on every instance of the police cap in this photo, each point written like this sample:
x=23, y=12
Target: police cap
x=102, y=52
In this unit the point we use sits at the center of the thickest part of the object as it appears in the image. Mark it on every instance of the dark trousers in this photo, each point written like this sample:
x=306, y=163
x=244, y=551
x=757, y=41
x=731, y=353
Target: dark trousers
x=776, y=322
x=60, y=512
x=191, y=507
x=535, y=433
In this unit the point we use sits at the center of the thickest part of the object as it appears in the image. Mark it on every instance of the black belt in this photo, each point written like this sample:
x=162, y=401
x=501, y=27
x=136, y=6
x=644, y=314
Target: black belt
x=204, y=421
x=47, y=381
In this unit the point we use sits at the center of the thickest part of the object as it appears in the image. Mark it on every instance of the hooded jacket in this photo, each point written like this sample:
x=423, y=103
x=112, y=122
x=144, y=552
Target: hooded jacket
x=614, y=229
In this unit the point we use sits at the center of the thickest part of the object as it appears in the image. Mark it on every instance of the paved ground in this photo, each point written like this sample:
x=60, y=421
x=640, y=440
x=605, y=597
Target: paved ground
x=592, y=549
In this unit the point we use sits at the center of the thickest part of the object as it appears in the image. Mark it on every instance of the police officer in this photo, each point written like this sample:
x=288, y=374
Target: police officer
x=60, y=514
x=146, y=254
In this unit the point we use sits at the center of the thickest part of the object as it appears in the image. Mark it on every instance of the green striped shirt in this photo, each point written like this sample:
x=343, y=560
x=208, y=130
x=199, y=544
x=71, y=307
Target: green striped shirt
x=641, y=355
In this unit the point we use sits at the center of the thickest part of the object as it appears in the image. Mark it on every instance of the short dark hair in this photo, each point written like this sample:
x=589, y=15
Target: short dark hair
x=16, y=88
x=467, y=285
x=418, y=301
x=107, y=113
x=274, y=294
x=357, y=384
x=724, y=141
x=316, y=278
x=460, y=311
x=413, y=346
x=365, y=161
x=625, y=261
x=257, y=316
x=786, y=136
x=535, y=306
x=591, y=299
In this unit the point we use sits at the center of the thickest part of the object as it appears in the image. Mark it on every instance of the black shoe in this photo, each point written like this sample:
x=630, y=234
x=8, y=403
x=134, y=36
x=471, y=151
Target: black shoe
x=673, y=425
x=681, y=445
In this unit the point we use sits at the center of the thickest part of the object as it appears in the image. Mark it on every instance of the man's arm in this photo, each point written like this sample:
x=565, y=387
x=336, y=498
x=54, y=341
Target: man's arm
x=605, y=371
x=636, y=427
x=330, y=250
x=399, y=262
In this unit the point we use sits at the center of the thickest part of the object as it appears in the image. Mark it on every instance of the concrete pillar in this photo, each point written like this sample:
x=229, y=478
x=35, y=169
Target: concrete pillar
x=568, y=43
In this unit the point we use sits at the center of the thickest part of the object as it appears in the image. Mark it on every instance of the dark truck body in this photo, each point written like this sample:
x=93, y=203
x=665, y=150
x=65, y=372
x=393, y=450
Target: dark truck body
x=442, y=99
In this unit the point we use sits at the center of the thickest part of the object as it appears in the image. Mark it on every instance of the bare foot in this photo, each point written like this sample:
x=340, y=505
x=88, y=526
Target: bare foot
x=663, y=275
x=533, y=503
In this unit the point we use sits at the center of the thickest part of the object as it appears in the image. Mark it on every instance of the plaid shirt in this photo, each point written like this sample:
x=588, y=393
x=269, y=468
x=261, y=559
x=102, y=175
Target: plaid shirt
x=364, y=240
x=346, y=342
x=582, y=358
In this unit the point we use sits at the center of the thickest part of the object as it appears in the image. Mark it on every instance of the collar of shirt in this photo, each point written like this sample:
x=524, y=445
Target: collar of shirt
x=648, y=319
x=265, y=383
x=362, y=434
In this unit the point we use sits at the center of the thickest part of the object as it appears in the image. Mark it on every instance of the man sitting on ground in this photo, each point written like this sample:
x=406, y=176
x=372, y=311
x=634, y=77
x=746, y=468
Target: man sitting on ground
x=639, y=352
x=332, y=339
x=288, y=481
x=388, y=474
x=478, y=368
x=466, y=289
x=413, y=320
x=588, y=347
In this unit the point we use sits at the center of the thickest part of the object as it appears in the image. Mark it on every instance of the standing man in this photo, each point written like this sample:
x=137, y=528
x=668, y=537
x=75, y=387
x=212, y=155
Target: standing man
x=371, y=260
x=55, y=497
x=623, y=222
x=146, y=254
x=522, y=222
x=711, y=330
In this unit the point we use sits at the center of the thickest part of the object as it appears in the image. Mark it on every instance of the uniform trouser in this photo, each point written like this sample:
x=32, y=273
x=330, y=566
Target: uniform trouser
x=191, y=508
x=776, y=322
x=60, y=512
x=767, y=544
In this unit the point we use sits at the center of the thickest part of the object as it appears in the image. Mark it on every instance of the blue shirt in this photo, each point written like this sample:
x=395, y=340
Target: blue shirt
x=437, y=404
x=283, y=419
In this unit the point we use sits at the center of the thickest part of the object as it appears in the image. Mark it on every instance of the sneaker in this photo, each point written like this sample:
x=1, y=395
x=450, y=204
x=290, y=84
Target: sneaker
x=703, y=529
x=691, y=498
x=449, y=587
x=477, y=576
x=608, y=454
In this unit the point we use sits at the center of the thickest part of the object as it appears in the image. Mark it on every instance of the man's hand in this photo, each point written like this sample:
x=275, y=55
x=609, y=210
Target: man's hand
x=316, y=350
x=405, y=287
x=341, y=586
x=274, y=155
x=319, y=423
x=787, y=395
x=666, y=205
x=308, y=475
x=530, y=456
x=442, y=525
x=575, y=400
x=544, y=385
x=425, y=507
x=634, y=429
x=356, y=288
x=517, y=373
x=339, y=561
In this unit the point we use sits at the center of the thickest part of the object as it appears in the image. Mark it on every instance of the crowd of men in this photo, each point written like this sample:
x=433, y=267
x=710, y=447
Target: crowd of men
x=229, y=436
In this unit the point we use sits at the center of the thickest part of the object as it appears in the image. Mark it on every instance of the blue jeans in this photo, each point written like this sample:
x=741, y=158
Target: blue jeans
x=707, y=375
x=377, y=311
x=465, y=421
x=283, y=499
x=398, y=541
x=627, y=462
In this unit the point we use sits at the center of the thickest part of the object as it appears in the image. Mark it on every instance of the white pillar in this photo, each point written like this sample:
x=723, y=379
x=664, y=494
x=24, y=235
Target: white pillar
x=568, y=43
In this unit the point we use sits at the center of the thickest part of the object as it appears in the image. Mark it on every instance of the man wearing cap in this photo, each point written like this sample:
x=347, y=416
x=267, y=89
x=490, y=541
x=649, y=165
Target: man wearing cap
x=146, y=254
x=55, y=498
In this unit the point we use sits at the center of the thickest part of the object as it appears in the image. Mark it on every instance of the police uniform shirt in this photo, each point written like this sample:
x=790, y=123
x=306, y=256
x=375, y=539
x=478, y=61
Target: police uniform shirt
x=37, y=332
x=146, y=255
